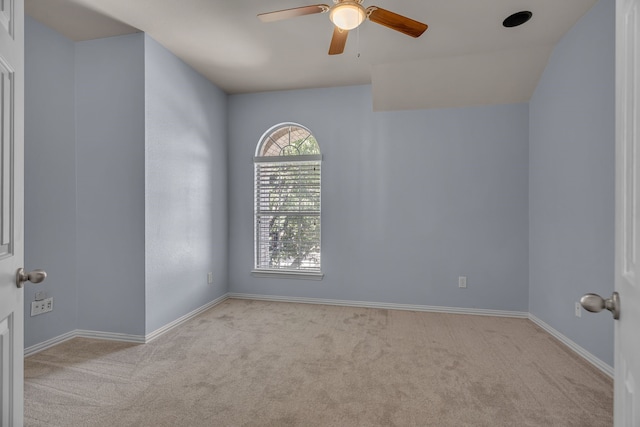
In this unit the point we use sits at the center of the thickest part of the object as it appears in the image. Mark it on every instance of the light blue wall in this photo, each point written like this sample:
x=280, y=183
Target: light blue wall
x=410, y=200
x=126, y=192
x=50, y=202
x=110, y=154
x=186, y=188
x=571, y=192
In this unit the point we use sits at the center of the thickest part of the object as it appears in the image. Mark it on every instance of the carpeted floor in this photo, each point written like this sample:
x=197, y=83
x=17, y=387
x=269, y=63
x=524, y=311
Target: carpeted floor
x=252, y=363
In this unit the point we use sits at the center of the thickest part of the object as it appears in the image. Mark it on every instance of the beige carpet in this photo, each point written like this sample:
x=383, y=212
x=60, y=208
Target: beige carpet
x=251, y=363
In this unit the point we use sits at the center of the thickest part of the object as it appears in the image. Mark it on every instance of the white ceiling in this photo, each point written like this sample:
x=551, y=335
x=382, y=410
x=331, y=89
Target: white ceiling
x=465, y=58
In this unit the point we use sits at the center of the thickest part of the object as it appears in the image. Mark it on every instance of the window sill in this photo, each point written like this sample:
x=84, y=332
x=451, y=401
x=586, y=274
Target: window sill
x=288, y=274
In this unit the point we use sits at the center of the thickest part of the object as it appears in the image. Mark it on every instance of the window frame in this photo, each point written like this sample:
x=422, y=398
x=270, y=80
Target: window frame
x=280, y=273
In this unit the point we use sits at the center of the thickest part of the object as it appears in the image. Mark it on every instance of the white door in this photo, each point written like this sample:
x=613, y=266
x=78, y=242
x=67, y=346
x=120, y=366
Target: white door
x=627, y=339
x=11, y=210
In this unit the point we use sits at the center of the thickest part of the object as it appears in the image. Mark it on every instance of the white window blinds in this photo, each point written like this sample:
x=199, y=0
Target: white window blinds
x=287, y=204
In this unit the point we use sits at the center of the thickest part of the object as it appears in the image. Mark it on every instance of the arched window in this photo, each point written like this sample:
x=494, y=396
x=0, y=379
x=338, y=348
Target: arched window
x=287, y=201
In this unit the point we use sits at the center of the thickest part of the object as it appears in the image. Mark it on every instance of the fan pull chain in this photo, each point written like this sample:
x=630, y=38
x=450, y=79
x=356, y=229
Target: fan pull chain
x=358, y=41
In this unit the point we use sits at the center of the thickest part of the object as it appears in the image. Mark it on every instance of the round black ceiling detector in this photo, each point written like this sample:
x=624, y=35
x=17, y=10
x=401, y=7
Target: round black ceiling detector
x=517, y=18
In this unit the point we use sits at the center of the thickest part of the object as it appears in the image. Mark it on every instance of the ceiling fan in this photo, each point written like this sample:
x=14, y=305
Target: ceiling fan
x=347, y=15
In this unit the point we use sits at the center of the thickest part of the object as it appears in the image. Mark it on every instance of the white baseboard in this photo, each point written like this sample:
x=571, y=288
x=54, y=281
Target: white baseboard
x=391, y=306
x=109, y=336
x=37, y=348
x=604, y=367
x=114, y=336
x=155, y=334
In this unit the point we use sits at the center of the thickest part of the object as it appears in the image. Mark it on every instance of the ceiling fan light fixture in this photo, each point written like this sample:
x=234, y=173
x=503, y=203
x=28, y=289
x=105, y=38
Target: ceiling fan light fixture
x=347, y=15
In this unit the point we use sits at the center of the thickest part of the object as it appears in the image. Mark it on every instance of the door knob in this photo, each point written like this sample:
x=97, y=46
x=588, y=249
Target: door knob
x=595, y=303
x=35, y=276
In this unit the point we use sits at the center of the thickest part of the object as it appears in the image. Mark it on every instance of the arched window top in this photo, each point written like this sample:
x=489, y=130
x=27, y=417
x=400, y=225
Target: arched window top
x=288, y=139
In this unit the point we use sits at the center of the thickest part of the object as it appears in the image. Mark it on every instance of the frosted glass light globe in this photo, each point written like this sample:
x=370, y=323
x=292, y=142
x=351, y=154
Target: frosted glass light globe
x=347, y=15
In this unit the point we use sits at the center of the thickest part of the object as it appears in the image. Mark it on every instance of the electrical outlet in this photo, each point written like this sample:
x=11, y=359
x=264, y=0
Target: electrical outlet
x=578, y=309
x=39, y=307
x=209, y=277
x=462, y=281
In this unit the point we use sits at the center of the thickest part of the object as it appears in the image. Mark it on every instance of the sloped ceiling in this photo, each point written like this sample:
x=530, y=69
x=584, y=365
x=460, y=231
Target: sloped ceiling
x=465, y=58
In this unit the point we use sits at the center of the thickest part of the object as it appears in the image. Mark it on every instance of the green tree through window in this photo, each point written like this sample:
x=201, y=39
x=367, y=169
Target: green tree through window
x=287, y=200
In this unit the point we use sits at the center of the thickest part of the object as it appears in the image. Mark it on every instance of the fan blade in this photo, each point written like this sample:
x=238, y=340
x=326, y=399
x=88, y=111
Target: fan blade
x=293, y=13
x=338, y=41
x=396, y=22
